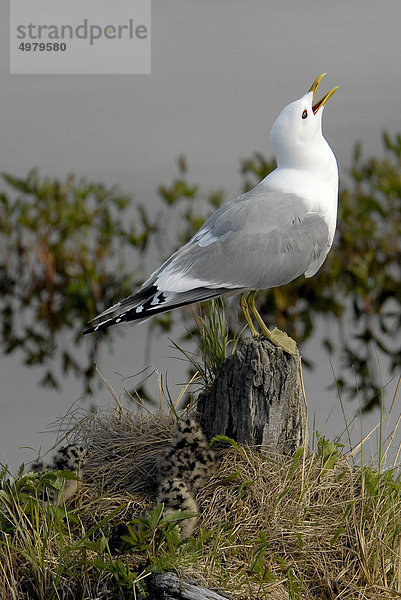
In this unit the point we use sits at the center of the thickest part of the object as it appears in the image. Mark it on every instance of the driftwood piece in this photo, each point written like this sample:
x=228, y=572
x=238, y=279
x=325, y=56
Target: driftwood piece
x=167, y=586
x=256, y=399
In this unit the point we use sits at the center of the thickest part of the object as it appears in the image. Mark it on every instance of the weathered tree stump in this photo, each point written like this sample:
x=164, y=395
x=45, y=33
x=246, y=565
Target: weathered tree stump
x=256, y=399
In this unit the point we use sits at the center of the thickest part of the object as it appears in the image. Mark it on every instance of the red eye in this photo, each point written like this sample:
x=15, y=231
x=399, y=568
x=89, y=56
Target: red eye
x=305, y=114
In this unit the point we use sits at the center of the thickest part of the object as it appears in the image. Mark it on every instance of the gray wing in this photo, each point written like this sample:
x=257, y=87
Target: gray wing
x=260, y=240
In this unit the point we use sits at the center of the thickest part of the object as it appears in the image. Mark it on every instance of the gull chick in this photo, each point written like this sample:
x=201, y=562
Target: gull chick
x=279, y=230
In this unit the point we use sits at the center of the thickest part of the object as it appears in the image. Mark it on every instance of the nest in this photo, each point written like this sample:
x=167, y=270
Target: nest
x=123, y=448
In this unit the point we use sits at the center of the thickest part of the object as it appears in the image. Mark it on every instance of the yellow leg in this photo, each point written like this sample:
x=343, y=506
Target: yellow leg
x=247, y=316
x=277, y=337
x=251, y=305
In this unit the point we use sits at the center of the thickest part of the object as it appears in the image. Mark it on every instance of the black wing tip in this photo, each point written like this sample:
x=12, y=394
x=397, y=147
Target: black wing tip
x=130, y=314
x=147, y=308
x=100, y=327
x=93, y=329
x=88, y=330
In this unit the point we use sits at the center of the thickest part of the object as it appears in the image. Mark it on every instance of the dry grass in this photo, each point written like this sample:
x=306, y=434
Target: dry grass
x=311, y=528
x=309, y=521
x=123, y=447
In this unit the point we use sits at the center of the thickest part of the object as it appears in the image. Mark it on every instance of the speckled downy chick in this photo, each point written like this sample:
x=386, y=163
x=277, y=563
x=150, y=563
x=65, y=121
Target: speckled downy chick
x=67, y=458
x=176, y=495
x=183, y=468
x=70, y=458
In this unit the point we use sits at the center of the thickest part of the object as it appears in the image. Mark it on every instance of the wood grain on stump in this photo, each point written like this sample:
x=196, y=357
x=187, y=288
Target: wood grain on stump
x=256, y=399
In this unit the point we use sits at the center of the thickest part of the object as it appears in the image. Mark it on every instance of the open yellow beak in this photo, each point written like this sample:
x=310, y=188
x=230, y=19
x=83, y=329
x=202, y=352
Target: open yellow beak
x=323, y=101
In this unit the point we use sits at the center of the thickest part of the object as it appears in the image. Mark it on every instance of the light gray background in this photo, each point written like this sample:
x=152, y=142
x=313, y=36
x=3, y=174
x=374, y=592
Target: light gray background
x=221, y=72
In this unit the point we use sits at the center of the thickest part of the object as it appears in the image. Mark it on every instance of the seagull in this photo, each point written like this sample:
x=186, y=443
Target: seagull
x=281, y=229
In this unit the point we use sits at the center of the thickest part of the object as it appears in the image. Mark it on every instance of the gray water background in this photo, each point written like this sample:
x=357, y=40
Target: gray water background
x=221, y=72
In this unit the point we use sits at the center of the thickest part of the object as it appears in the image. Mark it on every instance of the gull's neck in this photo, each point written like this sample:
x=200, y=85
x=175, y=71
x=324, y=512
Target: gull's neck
x=305, y=171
